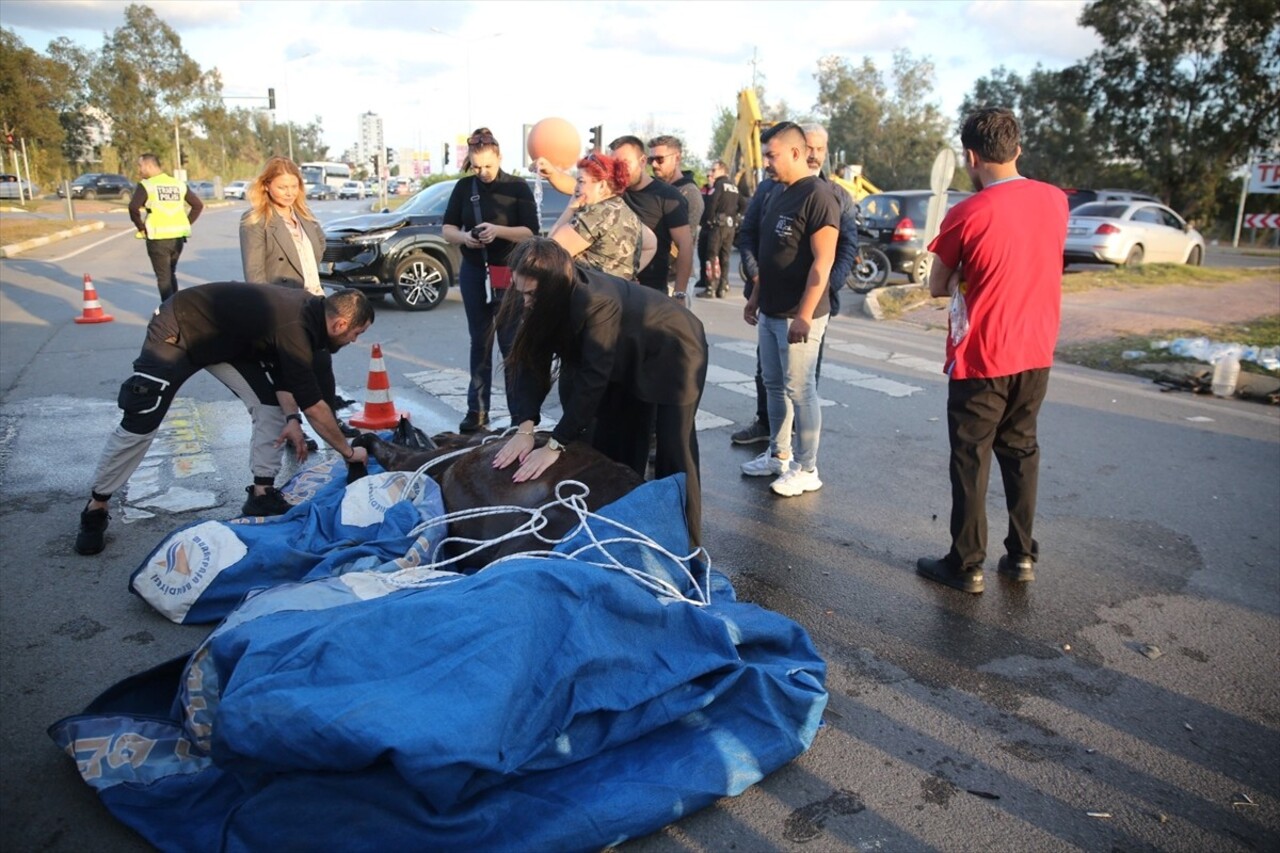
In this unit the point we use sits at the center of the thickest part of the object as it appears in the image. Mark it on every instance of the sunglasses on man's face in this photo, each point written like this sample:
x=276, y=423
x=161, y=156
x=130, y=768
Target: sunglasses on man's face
x=659, y=159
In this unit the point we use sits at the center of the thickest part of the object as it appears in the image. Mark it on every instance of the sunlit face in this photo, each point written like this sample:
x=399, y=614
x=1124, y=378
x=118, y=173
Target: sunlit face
x=634, y=158
x=527, y=287
x=815, y=150
x=283, y=190
x=665, y=161
x=486, y=165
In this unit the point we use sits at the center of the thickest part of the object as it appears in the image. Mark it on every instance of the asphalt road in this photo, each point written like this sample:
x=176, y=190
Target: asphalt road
x=1126, y=700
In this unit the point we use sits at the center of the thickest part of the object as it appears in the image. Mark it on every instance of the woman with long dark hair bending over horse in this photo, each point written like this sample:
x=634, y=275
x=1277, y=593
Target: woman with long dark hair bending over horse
x=625, y=354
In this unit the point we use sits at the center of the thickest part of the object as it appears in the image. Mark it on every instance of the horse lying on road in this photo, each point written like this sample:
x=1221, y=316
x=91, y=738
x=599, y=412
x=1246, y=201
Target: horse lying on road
x=469, y=481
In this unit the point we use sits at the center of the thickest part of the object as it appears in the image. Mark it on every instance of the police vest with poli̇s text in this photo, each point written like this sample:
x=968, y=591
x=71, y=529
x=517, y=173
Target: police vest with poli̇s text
x=166, y=208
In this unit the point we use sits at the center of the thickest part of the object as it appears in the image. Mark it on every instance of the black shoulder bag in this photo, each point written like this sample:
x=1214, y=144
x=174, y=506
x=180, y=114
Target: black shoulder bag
x=495, y=277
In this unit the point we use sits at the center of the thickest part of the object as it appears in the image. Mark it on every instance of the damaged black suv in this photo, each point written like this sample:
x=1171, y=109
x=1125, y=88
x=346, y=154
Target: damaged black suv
x=403, y=251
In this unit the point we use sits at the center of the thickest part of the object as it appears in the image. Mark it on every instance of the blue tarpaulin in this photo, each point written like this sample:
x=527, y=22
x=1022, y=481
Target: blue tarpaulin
x=544, y=703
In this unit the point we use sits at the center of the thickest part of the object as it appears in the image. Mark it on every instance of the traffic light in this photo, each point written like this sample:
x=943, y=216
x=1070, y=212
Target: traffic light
x=446, y=154
x=182, y=158
x=597, y=132
x=271, y=99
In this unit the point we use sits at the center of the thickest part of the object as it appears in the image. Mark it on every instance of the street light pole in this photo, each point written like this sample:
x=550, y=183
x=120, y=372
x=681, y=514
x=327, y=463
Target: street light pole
x=288, y=100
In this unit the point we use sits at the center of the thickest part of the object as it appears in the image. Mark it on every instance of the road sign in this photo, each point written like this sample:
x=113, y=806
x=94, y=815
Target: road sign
x=1262, y=220
x=944, y=168
x=1265, y=177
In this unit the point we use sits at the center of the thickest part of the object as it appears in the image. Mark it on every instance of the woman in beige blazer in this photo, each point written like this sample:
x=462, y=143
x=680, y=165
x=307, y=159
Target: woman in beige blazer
x=280, y=240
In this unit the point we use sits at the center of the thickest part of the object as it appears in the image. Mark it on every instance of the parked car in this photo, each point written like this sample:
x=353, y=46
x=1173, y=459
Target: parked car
x=403, y=251
x=235, y=189
x=1130, y=233
x=321, y=192
x=1077, y=197
x=11, y=187
x=351, y=189
x=99, y=185
x=202, y=189
x=895, y=221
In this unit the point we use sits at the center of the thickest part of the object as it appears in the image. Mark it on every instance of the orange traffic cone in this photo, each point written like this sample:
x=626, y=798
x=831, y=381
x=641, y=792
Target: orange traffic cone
x=93, y=312
x=379, y=412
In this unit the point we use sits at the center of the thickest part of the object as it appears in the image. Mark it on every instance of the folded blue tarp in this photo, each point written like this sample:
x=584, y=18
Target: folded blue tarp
x=555, y=703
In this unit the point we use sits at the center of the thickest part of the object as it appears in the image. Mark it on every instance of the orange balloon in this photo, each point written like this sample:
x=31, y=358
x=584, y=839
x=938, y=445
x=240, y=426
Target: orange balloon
x=557, y=140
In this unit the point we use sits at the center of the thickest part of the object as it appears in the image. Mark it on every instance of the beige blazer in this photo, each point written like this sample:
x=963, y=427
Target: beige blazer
x=267, y=251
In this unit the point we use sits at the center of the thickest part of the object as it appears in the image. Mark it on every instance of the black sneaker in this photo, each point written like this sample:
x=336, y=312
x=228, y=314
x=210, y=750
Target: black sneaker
x=347, y=429
x=943, y=572
x=1021, y=569
x=343, y=402
x=92, y=537
x=756, y=432
x=474, y=422
x=706, y=294
x=271, y=503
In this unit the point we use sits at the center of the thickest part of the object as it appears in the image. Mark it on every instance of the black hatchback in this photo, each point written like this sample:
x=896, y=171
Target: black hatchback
x=403, y=251
x=99, y=185
x=896, y=222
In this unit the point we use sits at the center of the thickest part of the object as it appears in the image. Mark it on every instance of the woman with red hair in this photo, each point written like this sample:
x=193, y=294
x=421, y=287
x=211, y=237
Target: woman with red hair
x=597, y=228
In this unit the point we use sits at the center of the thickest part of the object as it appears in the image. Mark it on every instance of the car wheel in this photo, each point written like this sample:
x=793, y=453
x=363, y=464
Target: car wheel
x=89, y=195
x=124, y=195
x=1195, y=257
x=1135, y=257
x=920, y=268
x=420, y=284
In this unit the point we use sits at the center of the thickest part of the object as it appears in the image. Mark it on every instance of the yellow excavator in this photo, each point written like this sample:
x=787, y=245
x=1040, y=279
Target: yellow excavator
x=743, y=156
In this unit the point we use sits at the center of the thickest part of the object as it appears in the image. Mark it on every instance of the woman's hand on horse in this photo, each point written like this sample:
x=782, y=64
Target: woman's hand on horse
x=535, y=463
x=517, y=447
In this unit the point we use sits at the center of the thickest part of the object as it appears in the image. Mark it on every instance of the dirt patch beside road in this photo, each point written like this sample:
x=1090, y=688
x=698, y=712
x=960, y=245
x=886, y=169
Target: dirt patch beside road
x=1105, y=313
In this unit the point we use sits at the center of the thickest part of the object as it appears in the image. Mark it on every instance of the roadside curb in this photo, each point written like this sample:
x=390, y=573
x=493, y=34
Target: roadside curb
x=14, y=249
x=871, y=302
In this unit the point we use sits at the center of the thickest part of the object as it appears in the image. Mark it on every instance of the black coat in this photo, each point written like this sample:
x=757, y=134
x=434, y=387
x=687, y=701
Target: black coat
x=622, y=334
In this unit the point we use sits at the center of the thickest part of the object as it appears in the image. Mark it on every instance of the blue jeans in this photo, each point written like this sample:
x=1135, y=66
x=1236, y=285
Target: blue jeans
x=481, y=323
x=791, y=385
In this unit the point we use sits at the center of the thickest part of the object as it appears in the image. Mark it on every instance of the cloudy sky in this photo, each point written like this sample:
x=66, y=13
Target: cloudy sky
x=434, y=70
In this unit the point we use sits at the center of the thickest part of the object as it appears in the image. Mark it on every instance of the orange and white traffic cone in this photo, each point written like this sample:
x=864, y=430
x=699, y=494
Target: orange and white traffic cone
x=93, y=312
x=379, y=412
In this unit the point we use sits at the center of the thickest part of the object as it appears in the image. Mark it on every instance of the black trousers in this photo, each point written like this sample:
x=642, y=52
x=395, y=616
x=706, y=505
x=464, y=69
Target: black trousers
x=164, y=256
x=720, y=246
x=622, y=433
x=994, y=414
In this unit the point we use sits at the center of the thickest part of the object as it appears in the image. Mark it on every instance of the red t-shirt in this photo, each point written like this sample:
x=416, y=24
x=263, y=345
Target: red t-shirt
x=1008, y=241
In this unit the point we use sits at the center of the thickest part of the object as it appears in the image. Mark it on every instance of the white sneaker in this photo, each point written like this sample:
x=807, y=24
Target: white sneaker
x=765, y=465
x=796, y=481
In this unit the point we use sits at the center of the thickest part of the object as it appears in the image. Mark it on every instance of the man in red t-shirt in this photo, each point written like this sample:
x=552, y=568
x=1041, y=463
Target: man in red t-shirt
x=1005, y=242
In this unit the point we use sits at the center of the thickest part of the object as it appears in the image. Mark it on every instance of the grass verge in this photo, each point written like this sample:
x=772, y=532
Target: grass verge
x=1153, y=275
x=896, y=302
x=1110, y=354
x=15, y=231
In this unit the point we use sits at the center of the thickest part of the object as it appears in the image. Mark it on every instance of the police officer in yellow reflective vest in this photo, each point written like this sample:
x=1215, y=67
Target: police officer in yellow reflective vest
x=167, y=225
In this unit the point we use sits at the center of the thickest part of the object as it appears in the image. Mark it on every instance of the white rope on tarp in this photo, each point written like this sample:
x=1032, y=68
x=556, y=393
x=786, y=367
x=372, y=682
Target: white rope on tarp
x=571, y=495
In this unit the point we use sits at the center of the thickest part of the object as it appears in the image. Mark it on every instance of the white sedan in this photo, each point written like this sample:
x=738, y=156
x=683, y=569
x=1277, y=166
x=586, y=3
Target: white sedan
x=235, y=189
x=1130, y=233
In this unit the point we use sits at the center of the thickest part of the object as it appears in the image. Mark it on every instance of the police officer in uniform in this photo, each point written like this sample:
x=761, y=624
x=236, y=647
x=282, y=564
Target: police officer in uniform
x=167, y=225
x=720, y=221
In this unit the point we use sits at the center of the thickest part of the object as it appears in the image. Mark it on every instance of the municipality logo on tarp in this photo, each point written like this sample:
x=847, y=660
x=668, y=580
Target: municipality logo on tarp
x=184, y=566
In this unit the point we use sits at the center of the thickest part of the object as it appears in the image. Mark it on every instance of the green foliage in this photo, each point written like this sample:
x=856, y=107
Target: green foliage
x=721, y=131
x=133, y=91
x=893, y=129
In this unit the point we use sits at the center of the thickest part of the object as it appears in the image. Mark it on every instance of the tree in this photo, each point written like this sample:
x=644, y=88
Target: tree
x=71, y=68
x=27, y=93
x=1188, y=88
x=721, y=130
x=146, y=83
x=894, y=131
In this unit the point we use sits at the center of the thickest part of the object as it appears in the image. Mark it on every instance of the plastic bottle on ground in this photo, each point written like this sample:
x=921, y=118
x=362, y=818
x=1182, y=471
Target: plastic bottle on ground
x=1226, y=373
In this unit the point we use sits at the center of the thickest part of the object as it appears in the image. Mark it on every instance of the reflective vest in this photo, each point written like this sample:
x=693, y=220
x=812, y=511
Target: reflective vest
x=166, y=208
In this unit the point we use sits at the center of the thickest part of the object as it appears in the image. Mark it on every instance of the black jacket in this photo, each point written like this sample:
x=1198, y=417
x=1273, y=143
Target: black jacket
x=622, y=334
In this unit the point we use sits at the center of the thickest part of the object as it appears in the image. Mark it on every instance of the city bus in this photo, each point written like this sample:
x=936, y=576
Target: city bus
x=324, y=174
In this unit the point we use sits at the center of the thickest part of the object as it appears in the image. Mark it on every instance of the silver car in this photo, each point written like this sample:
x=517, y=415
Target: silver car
x=235, y=189
x=1130, y=233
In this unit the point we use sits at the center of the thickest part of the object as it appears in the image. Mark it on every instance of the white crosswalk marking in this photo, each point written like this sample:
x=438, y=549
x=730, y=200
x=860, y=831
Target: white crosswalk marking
x=840, y=373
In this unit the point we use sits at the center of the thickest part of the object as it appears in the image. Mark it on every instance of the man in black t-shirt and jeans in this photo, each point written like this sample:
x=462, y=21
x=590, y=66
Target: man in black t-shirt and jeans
x=796, y=248
x=261, y=342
